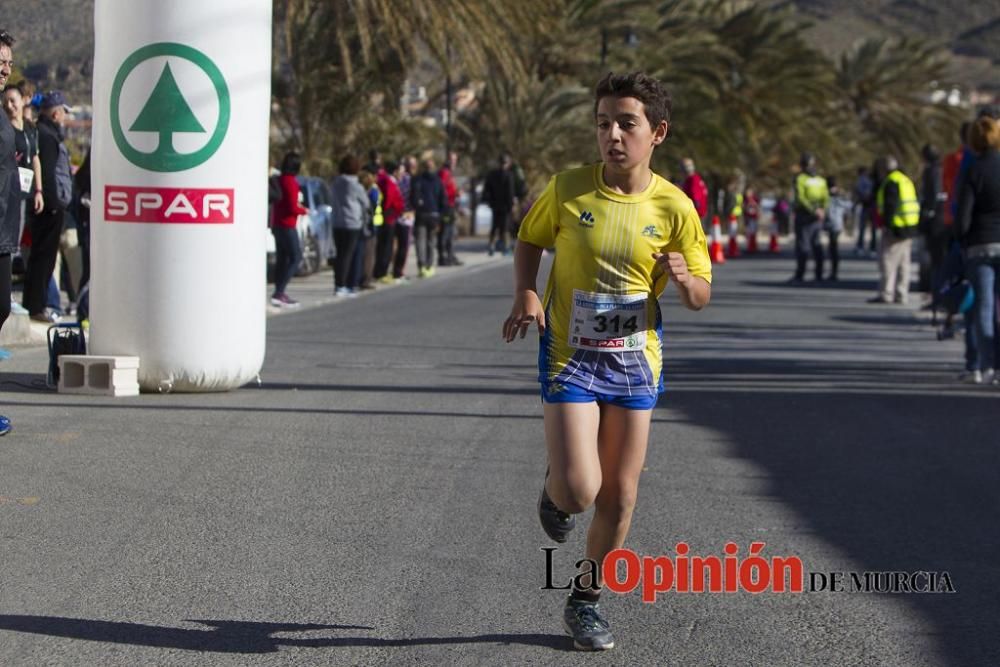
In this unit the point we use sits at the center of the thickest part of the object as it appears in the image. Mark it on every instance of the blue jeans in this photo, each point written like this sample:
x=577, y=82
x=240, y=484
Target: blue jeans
x=984, y=274
x=287, y=256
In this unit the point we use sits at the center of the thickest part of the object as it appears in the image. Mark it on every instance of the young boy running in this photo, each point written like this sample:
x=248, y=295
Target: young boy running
x=620, y=233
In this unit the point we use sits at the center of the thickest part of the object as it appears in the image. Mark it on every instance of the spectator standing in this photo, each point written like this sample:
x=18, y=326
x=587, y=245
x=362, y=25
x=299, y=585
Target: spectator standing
x=751, y=217
x=864, y=202
x=839, y=208
x=404, y=229
x=500, y=194
x=57, y=192
x=899, y=209
x=811, y=199
x=950, y=166
x=782, y=214
x=364, y=266
x=350, y=210
x=427, y=199
x=26, y=149
x=932, y=206
x=10, y=194
x=392, y=209
x=446, y=237
x=977, y=223
x=694, y=187
x=288, y=249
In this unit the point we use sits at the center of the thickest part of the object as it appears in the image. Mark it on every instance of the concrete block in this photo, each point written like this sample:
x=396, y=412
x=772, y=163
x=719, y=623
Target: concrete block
x=98, y=375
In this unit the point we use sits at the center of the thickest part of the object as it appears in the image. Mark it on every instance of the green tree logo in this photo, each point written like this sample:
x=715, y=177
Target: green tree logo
x=167, y=112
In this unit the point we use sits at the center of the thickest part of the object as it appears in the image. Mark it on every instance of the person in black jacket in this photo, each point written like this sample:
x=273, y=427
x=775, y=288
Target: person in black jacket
x=10, y=194
x=932, y=200
x=500, y=194
x=978, y=227
x=57, y=192
x=428, y=202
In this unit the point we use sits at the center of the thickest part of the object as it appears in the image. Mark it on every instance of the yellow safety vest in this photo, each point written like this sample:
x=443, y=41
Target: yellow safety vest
x=738, y=207
x=908, y=211
x=377, y=218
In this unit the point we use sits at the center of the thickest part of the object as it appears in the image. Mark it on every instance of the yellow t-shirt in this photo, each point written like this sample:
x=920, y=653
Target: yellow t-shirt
x=603, y=323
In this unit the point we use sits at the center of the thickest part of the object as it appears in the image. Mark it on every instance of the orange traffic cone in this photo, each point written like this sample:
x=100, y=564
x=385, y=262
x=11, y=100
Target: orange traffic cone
x=774, y=247
x=715, y=249
x=734, y=247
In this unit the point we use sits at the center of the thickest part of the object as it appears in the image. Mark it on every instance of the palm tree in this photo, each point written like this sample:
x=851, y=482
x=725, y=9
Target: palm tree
x=337, y=62
x=886, y=87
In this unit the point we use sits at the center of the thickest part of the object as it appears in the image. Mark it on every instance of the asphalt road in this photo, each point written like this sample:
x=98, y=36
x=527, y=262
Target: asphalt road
x=373, y=503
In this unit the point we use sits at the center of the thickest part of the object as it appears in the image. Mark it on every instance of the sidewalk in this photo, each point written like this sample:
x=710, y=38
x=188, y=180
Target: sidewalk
x=317, y=289
x=310, y=291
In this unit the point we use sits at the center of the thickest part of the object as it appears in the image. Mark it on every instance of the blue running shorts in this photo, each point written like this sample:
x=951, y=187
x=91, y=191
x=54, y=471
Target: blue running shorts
x=561, y=392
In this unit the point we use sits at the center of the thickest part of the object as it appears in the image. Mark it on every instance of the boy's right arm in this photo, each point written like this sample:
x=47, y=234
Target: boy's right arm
x=527, y=306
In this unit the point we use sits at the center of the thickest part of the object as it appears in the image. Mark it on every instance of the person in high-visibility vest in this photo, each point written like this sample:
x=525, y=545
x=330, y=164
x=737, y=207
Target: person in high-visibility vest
x=899, y=208
x=811, y=199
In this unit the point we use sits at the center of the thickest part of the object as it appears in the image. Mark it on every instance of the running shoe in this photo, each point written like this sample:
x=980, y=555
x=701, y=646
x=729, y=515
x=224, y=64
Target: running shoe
x=584, y=623
x=402, y=280
x=556, y=523
x=386, y=280
x=288, y=301
x=4, y=426
x=276, y=300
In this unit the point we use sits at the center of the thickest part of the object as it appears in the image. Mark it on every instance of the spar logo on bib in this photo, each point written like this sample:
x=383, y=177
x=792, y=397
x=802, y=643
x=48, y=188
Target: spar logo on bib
x=170, y=111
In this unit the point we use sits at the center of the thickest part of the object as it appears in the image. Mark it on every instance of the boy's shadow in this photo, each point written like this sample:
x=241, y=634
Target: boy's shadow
x=244, y=636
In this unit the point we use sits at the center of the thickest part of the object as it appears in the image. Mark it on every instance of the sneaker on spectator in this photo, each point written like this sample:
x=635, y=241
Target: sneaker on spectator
x=17, y=309
x=386, y=280
x=972, y=377
x=402, y=280
x=46, y=316
x=287, y=301
x=341, y=291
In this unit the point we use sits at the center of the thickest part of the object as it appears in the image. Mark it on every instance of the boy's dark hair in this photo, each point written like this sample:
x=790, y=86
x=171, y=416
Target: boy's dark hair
x=291, y=164
x=14, y=86
x=642, y=87
x=6, y=38
x=391, y=166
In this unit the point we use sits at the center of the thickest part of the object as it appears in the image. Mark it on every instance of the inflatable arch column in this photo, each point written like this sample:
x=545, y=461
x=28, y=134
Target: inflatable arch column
x=179, y=197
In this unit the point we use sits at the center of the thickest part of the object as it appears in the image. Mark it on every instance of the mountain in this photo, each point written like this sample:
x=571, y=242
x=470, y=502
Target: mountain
x=971, y=30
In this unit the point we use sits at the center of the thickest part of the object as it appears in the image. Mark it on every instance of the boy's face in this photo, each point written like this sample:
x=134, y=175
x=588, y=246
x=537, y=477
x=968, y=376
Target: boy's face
x=624, y=135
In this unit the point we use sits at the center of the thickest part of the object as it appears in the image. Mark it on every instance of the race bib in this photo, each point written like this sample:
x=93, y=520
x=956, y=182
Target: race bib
x=608, y=322
x=27, y=177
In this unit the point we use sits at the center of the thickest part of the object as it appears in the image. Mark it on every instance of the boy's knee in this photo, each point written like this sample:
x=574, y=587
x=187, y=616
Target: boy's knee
x=574, y=496
x=618, y=501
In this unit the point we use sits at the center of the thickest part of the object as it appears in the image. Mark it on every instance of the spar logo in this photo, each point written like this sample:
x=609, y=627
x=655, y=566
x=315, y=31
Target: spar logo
x=158, y=130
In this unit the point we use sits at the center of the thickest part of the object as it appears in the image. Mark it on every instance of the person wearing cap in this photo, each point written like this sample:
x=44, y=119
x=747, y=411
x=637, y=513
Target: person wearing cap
x=811, y=200
x=10, y=194
x=899, y=208
x=57, y=193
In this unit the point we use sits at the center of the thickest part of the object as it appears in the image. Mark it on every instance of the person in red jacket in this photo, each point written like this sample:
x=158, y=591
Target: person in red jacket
x=288, y=251
x=392, y=208
x=694, y=187
x=446, y=234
